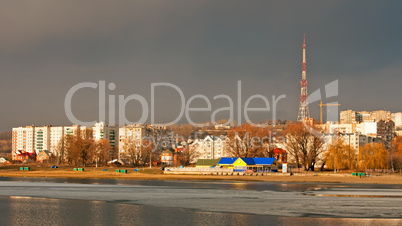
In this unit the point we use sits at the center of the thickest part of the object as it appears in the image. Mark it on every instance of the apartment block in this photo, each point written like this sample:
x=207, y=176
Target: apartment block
x=386, y=132
x=347, y=117
x=42, y=139
x=352, y=139
x=377, y=116
x=211, y=147
x=397, y=118
x=23, y=140
x=367, y=128
x=333, y=128
x=363, y=116
x=136, y=134
x=102, y=131
x=56, y=138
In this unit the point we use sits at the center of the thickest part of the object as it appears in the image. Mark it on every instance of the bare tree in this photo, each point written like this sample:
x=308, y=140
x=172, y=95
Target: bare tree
x=188, y=155
x=138, y=151
x=60, y=151
x=80, y=148
x=249, y=141
x=304, y=146
x=102, y=152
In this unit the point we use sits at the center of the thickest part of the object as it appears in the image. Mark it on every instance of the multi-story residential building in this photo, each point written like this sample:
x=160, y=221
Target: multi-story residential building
x=23, y=141
x=211, y=147
x=363, y=116
x=397, y=118
x=34, y=140
x=351, y=139
x=367, y=128
x=366, y=116
x=56, y=138
x=386, y=132
x=333, y=128
x=347, y=117
x=42, y=139
x=102, y=131
x=377, y=116
x=70, y=130
x=137, y=134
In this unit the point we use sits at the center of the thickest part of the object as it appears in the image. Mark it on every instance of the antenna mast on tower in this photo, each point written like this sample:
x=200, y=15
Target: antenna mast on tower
x=303, y=107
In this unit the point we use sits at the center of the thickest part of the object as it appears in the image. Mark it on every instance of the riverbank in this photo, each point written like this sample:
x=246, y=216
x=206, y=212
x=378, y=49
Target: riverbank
x=157, y=174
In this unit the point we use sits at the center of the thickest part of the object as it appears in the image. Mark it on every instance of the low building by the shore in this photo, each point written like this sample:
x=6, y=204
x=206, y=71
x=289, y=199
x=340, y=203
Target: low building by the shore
x=206, y=163
x=249, y=165
x=167, y=157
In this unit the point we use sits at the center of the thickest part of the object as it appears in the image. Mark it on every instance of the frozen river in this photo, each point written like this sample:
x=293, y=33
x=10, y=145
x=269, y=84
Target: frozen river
x=195, y=202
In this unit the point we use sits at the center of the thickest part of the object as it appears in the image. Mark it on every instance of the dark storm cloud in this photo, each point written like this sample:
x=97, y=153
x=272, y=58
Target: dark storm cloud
x=203, y=47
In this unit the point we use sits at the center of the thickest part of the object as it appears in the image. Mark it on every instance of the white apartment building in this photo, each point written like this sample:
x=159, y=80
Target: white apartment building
x=137, y=133
x=332, y=128
x=102, y=131
x=373, y=116
x=377, y=116
x=56, y=137
x=367, y=128
x=363, y=116
x=70, y=130
x=347, y=117
x=397, y=118
x=33, y=139
x=351, y=139
x=42, y=139
x=23, y=139
x=211, y=147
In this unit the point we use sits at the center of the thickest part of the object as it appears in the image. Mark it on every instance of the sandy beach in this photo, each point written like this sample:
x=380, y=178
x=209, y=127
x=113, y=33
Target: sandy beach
x=157, y=174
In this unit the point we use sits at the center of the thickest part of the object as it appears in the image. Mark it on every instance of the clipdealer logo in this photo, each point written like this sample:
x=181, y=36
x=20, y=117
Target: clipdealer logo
x=148, y=110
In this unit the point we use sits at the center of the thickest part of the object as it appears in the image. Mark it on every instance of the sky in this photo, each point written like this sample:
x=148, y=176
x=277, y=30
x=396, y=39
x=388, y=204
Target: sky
x=201, y=47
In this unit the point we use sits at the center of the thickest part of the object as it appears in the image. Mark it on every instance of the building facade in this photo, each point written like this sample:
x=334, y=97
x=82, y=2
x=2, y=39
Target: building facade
x=386, y=132
x=102, y=131
x=347, y=117
x=137, y=134
x=23, y=139
x=35, y=139
x=211, y=147
x=397, y=118
x=42, y=139
x=377, y=116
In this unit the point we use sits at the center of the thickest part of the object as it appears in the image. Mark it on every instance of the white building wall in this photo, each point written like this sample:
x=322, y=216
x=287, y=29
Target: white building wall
x=56, y=136
x=210, y=148
x=23, y=139
x=341, y=128
x=397, y=118
x=70, y=130
x=42, y=139
x=351, y=139
x=102, y=131
x=368, y=128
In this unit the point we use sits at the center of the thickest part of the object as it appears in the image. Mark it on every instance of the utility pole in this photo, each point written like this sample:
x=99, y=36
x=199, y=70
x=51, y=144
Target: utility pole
x=150, y=159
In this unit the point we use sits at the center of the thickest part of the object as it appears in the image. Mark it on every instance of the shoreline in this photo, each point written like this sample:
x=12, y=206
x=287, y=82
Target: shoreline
x=156, y=174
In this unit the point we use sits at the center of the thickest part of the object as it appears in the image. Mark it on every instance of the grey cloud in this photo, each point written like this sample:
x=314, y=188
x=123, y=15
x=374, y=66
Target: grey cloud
x=203, y=47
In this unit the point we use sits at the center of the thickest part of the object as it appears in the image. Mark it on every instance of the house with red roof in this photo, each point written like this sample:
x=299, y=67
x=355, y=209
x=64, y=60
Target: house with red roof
x=24, y=156
x=279, y=154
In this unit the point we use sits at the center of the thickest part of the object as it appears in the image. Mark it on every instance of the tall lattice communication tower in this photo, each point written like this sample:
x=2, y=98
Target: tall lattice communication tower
x=303, y=108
